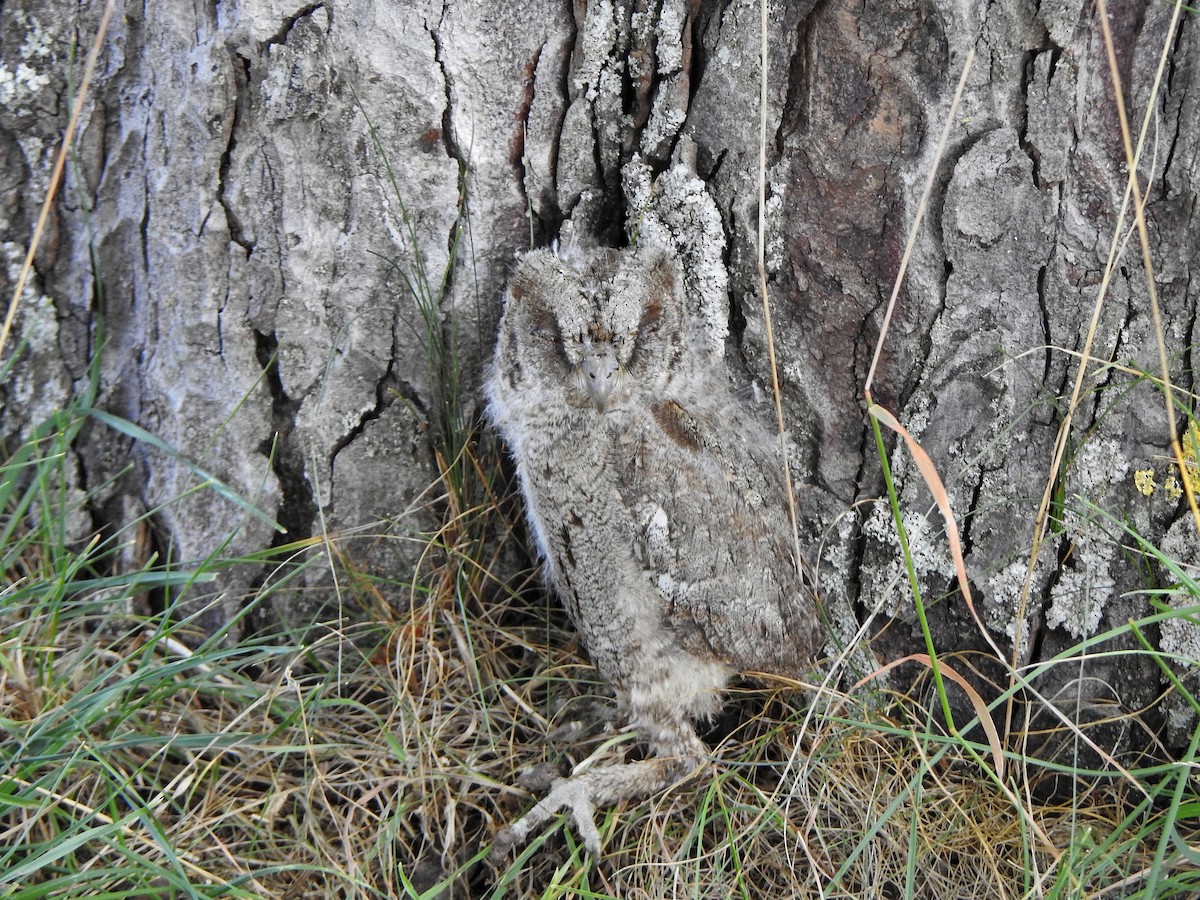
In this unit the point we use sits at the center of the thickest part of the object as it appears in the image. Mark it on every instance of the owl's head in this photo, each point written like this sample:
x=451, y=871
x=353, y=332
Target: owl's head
x=588, y=327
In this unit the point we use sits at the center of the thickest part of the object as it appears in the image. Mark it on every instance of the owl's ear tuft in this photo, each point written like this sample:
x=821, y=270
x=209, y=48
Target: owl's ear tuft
x=534, y=274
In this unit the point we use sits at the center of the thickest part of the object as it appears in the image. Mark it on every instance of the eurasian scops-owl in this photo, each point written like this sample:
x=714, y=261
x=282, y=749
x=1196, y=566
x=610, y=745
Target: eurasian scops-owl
x=656, y=500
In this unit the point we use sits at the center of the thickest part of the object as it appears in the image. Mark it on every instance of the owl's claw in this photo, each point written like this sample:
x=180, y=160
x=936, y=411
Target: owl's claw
x=602, y=786
x=571, y=794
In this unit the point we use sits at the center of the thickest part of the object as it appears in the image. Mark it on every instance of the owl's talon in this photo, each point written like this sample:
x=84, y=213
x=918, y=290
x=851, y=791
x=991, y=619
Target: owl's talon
x=601, y=786
x=570, y=794
x=583, y=812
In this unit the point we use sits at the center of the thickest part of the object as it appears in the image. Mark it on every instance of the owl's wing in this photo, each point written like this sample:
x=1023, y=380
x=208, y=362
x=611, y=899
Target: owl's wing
x=712, y=532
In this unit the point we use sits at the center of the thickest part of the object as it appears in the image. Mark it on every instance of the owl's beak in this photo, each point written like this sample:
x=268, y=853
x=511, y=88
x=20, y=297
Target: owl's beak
x=601, y=371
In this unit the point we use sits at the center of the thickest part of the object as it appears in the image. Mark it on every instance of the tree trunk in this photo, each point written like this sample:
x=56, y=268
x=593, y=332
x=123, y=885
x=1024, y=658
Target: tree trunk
x=258, y=185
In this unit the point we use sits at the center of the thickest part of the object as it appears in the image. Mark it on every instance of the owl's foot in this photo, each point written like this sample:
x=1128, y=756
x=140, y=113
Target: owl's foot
x=581, y=794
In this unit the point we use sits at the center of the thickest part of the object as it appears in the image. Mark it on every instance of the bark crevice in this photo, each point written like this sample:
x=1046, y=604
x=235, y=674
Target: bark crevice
x=297, y=510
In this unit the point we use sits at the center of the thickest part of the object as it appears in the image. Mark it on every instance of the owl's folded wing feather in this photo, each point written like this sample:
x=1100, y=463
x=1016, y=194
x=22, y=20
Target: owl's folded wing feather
x=715, y=539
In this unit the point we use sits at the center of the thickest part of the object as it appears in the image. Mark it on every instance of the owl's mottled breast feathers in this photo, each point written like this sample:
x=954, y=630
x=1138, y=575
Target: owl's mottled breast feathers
x=667, y=443
x=726, y=570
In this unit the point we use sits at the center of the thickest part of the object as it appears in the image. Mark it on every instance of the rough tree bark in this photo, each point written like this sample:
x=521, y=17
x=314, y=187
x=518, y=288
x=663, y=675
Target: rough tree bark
x=252, y=250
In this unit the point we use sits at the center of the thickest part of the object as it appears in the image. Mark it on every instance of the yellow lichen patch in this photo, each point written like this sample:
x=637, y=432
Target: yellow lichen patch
x=1191, y=441
x=1172, y=486
x=1191, y=455
x=1143, y=480
x=1188, y=473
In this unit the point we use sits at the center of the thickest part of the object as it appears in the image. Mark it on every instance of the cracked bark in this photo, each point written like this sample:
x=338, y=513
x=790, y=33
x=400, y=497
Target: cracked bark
x=243, y=215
